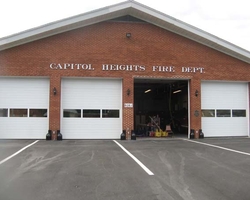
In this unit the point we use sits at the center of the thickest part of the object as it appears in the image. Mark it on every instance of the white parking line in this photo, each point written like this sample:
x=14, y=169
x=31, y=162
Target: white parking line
x=135, y=159
x=219, y=147
x=6, y=159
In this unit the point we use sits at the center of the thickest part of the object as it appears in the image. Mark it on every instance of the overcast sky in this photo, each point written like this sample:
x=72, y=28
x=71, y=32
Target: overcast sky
x=227, y=19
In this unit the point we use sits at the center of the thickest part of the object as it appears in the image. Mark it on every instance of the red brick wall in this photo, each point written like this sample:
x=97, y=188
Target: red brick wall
x=106, y=43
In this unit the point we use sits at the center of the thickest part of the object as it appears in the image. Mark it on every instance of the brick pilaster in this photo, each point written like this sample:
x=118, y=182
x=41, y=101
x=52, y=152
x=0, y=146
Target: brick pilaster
x=128, y=112
x=55, y=103
x=195, y=105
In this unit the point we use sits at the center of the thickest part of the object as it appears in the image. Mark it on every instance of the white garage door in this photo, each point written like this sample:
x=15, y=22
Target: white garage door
x=224, y=109
x=24, y=106
x=91, y=108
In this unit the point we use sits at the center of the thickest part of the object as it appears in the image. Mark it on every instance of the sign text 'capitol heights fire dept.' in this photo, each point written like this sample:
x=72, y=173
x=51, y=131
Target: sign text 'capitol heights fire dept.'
x=127, y=68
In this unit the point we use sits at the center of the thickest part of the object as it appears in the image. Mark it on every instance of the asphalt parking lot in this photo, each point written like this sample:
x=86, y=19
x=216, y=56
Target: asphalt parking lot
x=207, y=169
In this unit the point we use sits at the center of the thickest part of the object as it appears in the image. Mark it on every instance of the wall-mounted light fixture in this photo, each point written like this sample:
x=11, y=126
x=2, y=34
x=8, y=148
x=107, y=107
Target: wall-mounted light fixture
x=196, y=93
x=54, y=91
x=128, y=35
x=128, y=92
x=149, y=90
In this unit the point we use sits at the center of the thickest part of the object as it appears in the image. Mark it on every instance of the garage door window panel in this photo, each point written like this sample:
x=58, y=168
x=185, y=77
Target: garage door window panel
x=72, y=113
x=18, y=112
x=91, y=113
x=38, y=112
x=3, y=112
x=239, y=113
x=110, y=113
x=223, y=113
x=208, y=113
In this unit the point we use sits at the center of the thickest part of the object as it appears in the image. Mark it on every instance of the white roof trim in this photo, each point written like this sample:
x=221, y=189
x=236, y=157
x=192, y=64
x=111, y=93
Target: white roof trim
x=134, y=9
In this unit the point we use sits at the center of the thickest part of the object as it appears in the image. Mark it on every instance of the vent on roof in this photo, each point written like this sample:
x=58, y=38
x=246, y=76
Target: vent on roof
x=127, y=18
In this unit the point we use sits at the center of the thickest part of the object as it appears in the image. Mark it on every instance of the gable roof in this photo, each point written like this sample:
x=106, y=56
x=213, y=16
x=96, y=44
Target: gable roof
x=133, y=9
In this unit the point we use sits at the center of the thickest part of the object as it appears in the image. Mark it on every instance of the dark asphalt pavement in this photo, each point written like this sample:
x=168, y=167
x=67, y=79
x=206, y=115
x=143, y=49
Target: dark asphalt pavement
x=101, y=170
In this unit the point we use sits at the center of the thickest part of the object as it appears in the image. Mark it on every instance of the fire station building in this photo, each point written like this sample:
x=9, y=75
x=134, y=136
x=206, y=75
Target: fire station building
x=119, y=68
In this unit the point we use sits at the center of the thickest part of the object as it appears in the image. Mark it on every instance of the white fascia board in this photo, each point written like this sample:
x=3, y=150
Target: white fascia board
x=195, y=31
x=59, y=26
x=213, y=38
x=125, y=8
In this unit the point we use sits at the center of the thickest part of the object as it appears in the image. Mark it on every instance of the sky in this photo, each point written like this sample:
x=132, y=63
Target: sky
x=226, y=19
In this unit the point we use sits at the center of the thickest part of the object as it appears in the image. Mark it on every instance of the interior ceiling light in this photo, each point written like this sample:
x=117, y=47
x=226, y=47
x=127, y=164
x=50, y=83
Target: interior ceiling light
x=177, y=91
x=147, y=91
